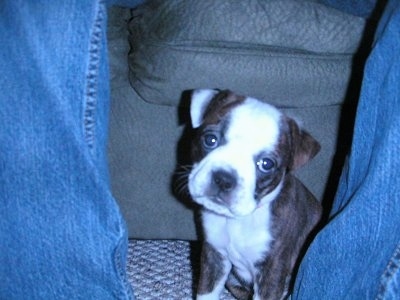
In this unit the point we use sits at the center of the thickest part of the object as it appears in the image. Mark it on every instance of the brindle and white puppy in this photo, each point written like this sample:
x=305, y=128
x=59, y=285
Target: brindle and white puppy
x=256, y=214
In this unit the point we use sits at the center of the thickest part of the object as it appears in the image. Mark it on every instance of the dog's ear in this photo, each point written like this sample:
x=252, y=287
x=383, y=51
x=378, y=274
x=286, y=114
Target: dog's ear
x=304, y=146
x=198, y=104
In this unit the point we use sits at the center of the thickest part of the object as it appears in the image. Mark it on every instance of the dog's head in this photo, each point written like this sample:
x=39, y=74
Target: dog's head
x=241, y=152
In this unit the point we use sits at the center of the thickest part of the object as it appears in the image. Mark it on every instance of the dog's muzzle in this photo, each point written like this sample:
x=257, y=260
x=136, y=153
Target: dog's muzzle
x=227, y=189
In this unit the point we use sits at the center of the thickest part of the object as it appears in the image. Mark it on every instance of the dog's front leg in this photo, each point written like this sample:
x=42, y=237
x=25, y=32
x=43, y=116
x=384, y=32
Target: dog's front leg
x=272, y=279
x=214, y=270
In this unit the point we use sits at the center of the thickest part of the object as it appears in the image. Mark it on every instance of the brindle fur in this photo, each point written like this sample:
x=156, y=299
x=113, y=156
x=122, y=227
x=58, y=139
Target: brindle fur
x=295, y=211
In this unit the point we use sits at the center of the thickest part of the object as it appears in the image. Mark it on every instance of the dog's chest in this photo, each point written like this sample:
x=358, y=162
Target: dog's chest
x=243, y=241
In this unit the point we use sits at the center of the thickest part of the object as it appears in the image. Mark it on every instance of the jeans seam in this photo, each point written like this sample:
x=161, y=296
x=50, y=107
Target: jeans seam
x=89, y=119
x=391, y=269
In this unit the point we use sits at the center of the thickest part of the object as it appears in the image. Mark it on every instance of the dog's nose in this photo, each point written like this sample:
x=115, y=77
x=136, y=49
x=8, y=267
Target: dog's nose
x=224, y=180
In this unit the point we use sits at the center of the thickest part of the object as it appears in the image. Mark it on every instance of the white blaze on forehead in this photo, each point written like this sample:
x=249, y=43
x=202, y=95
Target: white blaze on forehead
x=254, y=124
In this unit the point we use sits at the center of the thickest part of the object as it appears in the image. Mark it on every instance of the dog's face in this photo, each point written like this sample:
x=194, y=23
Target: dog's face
x=242, y=151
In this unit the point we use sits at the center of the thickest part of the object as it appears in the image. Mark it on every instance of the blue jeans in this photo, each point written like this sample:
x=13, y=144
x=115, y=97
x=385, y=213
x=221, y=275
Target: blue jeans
x=357, y=255
x=61, y=233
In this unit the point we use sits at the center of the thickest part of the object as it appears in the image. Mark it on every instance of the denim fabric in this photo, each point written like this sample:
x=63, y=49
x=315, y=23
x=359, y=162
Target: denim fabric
x=357, y=255
x=61, y=233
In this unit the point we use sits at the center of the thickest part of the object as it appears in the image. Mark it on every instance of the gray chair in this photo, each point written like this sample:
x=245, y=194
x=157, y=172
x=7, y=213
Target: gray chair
x=297, y=55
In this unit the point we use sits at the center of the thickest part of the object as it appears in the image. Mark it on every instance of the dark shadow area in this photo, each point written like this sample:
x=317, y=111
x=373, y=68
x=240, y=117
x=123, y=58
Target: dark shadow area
x=195, y=253
x=348, y=112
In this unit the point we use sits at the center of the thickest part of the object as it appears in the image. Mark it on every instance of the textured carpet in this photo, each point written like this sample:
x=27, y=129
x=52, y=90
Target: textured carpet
x=160, y=269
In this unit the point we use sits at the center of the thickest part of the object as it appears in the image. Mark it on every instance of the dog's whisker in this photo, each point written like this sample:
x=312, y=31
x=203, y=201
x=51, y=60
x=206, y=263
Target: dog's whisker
x=181, y=178
x=186, y=167
x=182, y=188
x=180, y=184
x=185, y=170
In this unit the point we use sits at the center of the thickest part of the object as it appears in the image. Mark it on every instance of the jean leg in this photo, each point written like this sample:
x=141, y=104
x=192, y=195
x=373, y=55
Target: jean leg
x=356, y=256
x=61, y=233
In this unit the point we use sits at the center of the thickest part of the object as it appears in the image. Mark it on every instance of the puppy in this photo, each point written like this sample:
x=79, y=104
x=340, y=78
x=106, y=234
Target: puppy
x=256, y=215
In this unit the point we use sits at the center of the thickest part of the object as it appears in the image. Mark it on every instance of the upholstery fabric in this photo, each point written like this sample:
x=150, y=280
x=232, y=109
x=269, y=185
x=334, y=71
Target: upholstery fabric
x=286, y=52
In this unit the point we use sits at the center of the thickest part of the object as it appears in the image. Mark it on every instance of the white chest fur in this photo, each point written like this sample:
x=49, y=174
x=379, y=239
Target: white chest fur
x=242, y=240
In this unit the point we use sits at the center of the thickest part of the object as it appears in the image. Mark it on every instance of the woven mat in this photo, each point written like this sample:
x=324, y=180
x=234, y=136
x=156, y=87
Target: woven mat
x=160, y=269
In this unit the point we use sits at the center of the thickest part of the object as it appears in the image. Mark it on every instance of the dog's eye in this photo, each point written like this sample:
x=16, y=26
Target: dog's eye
x=265, y=164
x=210, y=141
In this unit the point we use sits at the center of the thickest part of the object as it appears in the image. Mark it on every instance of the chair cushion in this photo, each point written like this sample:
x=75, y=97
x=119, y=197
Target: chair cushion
x=290, y=53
